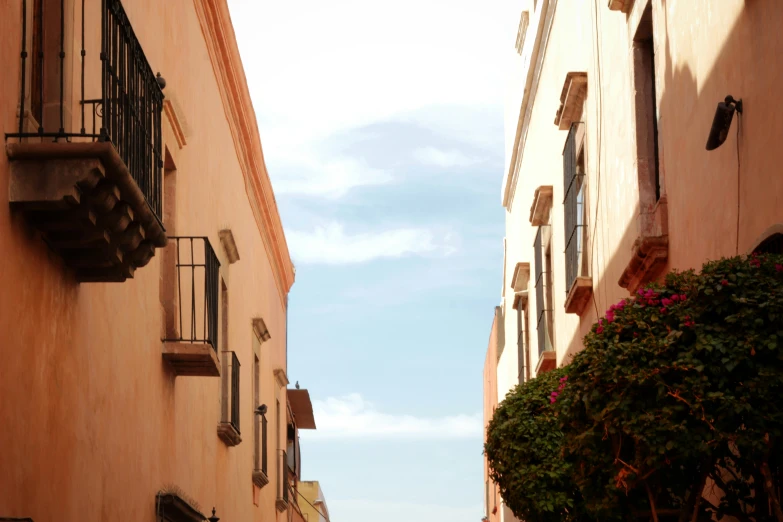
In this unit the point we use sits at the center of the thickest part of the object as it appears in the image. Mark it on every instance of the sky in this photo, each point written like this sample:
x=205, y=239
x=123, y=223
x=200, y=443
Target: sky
x=382, y=129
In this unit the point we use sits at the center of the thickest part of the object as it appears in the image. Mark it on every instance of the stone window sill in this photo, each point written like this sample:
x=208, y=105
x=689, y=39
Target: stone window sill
x=579, y=295
x=228, y=434
x=260, y=479
x=546, y=362
x=648, y=259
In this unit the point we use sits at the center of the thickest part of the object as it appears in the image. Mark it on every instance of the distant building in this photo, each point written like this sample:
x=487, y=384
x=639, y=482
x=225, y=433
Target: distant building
x=313, y=502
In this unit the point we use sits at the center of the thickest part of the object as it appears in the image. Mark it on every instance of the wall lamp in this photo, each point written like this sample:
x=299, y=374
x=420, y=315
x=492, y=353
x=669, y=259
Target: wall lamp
x=722, y=121
x=213, y=518
x=261, y=410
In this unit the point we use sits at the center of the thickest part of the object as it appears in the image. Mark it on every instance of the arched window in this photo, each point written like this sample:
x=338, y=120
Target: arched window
x=772, y=245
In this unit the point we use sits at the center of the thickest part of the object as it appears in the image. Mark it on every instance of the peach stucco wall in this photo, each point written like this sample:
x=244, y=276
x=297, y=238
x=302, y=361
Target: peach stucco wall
x=94, y=424
x=490, y=403
x=704, y=51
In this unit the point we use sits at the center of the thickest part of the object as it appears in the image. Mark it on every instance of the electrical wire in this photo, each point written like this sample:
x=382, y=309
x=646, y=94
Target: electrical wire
x=599, y=124
x=312, y=506
x=739, y=123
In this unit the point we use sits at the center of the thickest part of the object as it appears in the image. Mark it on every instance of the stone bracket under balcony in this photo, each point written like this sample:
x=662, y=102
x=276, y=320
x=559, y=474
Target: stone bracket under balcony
x=191, y=359
x=82, y=199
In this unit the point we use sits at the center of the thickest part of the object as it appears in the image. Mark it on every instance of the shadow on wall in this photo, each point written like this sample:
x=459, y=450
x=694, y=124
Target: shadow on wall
x=701, y=186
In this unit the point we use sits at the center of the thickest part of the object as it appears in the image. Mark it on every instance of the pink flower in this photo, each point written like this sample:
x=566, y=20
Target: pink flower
x=724, y=282
x=663, y=310
x=675, y=298
x=689, y=323
x=666, y=302
x=778, y=267
x=636, y=334
x=564, y=378
x=552, y=400
x=610, y=316
x=755, y=262
x=683, y=297
x=599, y=330
x=640, y=291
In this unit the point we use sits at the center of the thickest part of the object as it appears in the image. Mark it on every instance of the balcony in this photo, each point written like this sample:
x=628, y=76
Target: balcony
x=191, y=306
x=85, y=160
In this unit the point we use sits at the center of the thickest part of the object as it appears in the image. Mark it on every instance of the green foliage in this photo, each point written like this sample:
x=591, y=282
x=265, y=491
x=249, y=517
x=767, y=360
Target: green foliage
x=524, y=450
x=677, y=387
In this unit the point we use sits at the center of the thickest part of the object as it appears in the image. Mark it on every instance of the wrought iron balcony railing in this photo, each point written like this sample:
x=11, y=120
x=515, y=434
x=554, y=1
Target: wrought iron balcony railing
x=118, y=94
x=197, y=290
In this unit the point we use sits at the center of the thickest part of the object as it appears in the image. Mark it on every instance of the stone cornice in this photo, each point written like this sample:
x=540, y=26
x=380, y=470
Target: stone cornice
x=221, y=43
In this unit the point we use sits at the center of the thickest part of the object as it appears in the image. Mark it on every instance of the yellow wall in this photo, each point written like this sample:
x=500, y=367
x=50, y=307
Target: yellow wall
x=312, y=502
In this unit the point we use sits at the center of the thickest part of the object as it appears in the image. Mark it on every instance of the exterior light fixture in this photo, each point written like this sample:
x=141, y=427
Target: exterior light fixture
x=722, y=121
x=161, y=81
x=261, y=410
x=213, y=518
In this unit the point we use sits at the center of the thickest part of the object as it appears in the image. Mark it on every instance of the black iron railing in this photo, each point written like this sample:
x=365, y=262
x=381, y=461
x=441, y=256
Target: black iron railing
x=230, y=406
x=264, y=463
x=197, y=290
x=541, y=302
x=521, y=327
x=127, y=103
x=573, y=208
x=283, y=478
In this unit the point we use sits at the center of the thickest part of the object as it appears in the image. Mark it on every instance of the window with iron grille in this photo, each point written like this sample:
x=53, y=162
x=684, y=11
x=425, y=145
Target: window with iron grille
x=522, y=31
x=543, y=297
x=230, y=403
x=523, y=345
x=574, y=207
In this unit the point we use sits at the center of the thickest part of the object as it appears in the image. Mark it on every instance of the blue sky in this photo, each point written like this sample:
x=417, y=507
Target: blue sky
x=382, y=127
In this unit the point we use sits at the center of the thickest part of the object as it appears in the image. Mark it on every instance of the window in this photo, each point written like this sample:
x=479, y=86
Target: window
x=523, y=345
x=260, y=458
x=522, y=31
x=544, y=322
x=257, y=449
x=772, y=245
x=574, y=206
x=228, y=429
x=646, y=111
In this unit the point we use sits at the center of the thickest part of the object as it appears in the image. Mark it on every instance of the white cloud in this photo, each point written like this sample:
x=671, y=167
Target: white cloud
x=352, y=416
x=330, y=244
x=315, y=68
x=442, y=158
x=379, y=511
x=328, y=178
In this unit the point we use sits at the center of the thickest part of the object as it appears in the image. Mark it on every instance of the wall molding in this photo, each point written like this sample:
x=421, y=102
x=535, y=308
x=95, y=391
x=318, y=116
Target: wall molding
x=221, y=43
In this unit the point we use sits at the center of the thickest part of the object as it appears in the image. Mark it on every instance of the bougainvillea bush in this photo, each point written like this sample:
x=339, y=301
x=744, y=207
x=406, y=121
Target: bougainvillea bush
x=525, y=451
x=674, y=409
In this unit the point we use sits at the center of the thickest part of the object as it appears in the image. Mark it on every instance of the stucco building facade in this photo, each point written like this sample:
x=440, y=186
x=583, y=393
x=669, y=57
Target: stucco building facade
x=608, y=183
x=146, y=272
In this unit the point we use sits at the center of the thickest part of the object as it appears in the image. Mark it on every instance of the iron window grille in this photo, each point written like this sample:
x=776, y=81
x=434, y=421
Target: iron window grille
x=261, y=456
x=230, y=402
x=283, y=478
x=541, y=305
x=573, y=181
x=197, y=269
x=127, y=109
